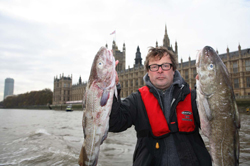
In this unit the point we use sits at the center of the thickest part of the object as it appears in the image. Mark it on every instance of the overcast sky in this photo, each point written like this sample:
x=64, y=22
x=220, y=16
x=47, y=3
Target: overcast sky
x=41, y=39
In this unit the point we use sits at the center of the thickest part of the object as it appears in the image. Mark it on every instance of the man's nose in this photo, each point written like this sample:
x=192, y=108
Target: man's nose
x=160, y=69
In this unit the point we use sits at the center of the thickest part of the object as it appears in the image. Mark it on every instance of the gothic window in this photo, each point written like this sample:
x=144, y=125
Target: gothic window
x=186, y=74
x=236, y=83
x=247, y=65
x=194, y=73
x=235, y=67
x=248, y=82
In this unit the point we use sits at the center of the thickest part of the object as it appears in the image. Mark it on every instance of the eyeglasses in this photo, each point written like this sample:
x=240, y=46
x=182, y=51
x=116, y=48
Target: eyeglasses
x=164, y=66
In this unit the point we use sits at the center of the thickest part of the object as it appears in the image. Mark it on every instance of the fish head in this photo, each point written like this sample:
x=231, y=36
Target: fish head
x=207, y=69
x=103, y=69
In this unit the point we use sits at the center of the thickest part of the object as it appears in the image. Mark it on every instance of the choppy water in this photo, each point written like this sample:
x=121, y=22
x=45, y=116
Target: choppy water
x=47, y=137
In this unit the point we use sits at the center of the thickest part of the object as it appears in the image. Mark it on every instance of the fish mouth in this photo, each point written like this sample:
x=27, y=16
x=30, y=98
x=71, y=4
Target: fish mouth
x=208, y=51
x=207, y=55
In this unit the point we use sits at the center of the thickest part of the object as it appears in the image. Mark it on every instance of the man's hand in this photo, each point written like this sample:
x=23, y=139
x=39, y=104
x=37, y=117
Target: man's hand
x=197, y=77
x=116, y=77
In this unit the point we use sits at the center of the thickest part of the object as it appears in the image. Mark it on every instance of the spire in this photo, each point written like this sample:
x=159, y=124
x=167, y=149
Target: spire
x=124, y=47
x=176, y=48
x=166, y=41
x=239, y=49
x=227, y=50
x=138, y=58
x=80, y=80
x=166, y=29
x=114, y=46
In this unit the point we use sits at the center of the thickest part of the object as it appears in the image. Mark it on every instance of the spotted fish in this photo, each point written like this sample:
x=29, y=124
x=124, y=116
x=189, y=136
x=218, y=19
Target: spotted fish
x=97, y=101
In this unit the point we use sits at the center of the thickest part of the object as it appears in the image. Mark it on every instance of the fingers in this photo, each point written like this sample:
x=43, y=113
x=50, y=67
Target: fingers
x=197, y=77
x=116, y=77
x=116, y=62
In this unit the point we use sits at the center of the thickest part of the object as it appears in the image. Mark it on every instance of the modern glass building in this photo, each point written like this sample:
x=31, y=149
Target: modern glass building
x=8, y=87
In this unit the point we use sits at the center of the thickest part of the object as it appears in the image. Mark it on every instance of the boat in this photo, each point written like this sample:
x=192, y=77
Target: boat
x=69, y=108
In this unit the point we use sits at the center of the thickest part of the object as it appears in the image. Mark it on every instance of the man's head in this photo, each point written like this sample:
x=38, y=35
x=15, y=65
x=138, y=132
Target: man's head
x=161, y=65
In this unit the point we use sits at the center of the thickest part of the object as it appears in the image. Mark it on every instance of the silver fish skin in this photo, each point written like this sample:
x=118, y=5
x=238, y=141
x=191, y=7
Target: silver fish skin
x=97, y=101
x=217, y=108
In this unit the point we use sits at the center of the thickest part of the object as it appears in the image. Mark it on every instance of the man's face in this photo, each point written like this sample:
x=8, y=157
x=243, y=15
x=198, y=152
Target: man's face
x=161, y=79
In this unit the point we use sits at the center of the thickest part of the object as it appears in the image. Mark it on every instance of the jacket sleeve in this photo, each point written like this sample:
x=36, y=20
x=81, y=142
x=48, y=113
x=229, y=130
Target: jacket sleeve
x=195, y=109
x=123, y=112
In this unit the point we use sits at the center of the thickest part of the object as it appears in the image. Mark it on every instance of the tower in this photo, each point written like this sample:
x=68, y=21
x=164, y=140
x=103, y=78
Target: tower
x=176, y=51
x=62, y=89
x=8, y=87
x=138, y=58
x=166, y=41
x=121, y=56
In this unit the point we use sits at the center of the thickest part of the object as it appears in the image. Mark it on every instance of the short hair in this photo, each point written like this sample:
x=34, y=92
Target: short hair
x=159, y=52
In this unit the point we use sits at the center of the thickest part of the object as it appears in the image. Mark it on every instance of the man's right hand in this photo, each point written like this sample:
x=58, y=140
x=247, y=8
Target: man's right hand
x=116, y=77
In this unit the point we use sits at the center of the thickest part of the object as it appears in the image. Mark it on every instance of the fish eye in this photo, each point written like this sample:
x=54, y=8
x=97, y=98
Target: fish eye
x=210, y=67
x=99, y=64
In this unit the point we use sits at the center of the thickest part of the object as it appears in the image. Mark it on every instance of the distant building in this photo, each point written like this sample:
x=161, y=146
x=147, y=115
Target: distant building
x=62, y=89
x=8, y=87
x=237, y=63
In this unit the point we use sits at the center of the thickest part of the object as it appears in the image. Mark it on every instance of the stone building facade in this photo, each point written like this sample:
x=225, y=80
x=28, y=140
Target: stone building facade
x=62, y=89
x=237, y=63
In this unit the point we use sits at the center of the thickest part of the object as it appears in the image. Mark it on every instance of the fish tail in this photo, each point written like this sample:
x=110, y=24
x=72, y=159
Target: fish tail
x=83, y=160
x=237, y=148
x=82, y=156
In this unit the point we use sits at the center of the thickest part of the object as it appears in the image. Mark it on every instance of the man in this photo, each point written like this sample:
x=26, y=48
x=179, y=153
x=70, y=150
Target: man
x=164, y=114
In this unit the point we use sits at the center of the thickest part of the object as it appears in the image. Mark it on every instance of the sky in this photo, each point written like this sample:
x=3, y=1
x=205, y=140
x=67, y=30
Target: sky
x=42, y=39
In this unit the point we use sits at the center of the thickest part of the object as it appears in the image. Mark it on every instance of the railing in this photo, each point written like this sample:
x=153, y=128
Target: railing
x=242, y=97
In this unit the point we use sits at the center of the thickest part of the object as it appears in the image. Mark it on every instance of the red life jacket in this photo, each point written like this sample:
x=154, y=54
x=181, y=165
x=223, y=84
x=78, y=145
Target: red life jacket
x=157, y=120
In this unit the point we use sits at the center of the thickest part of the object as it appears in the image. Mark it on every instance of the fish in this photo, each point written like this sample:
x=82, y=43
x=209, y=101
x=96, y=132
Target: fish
x=218, y=111
x=97, y=101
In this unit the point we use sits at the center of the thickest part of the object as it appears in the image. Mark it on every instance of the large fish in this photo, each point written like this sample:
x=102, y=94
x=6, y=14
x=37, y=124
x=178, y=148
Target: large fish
x=217, y=107
x=98, y=101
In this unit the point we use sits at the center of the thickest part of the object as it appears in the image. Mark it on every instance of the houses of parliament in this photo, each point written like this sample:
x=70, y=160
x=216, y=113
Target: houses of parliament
x=237, y=63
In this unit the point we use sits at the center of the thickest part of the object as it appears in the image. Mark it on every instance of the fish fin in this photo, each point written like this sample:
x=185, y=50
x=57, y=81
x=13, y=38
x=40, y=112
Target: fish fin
x=105, y=134
x=83, y=156
x=84, y=121
x=207, y=109
x=237, y=115
x=105, y=97
x=237, y=147
x=84, y=100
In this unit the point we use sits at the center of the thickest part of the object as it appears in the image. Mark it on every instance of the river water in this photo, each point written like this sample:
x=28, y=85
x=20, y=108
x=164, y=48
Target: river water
x=48, y=137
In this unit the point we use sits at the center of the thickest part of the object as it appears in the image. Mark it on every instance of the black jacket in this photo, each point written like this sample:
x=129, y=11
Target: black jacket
x=131, y=111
